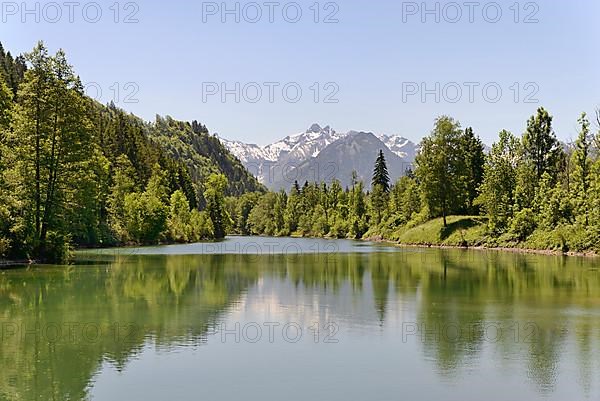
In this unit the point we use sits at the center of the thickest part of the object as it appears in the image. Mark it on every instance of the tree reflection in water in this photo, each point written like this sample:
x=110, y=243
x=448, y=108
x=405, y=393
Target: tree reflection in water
x=107, y=310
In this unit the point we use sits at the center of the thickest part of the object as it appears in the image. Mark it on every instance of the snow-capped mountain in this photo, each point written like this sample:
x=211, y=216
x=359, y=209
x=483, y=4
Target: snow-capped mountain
x=298, y=147
x=400, y=146
x=356, y=152
x=270, y=163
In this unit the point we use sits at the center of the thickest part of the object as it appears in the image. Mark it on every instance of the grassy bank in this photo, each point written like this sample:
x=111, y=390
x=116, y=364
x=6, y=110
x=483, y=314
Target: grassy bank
x=472, y=232
x=460, y=231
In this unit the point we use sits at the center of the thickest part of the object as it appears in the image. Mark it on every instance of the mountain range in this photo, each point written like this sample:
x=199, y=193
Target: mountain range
x=322, y=154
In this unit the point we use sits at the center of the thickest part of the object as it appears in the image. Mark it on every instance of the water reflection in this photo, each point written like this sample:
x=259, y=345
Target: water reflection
x=459, y=309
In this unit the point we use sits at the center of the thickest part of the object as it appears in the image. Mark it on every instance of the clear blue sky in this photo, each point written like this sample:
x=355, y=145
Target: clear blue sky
x=369, y=53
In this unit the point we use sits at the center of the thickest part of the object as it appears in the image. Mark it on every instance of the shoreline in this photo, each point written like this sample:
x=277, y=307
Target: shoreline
x=9, y=264
x=546, y=252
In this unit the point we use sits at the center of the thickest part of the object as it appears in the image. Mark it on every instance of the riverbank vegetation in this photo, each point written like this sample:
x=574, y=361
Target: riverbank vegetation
x=75, y=173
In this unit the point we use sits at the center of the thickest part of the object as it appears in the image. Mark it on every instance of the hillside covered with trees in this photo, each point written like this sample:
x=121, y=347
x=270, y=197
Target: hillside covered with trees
x=75, y=172
x=203, y=154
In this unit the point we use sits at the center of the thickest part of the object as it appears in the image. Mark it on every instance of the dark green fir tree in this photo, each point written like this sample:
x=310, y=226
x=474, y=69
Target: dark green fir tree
x=381, y=176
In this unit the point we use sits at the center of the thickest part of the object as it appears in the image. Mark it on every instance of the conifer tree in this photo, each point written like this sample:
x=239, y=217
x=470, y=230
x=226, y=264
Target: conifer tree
x=381, y=176
x=474, y=160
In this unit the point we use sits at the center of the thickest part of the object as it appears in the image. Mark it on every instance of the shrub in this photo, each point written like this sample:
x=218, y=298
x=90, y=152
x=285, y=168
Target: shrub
x=179, y=217
x=57, y=248
x=523, y=224
x=145, y=217
x=201, y=225
x=4, y=247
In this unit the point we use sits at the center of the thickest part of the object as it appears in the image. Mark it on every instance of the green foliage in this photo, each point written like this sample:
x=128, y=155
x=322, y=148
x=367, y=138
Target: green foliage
x=440, y=168
x=179, y=221
x=4, y=247
x=202, y=227
x=74, y=172
x=380, y=188
x=239, y=210
x=405, y=201
x=6, y=222
x=12, y=70
x=203, y=154
x=526, y=187
x=581, y=175
x=594, y=212
x=51, y=142
x=454, y=176
x=261, y=219
x=379, y=201
x=541, y=146
x=58, y=247
x=474, y=161
x=293, y=209
x=497, y=192
x=320, y=226
x=6, y=105
x=94, y=175
x=157, y=185
x=381, y=176
x=552, y=204
x=214, y=194
x=523, y=224
x=86, y=213
x=145, y=217
x=358, y=212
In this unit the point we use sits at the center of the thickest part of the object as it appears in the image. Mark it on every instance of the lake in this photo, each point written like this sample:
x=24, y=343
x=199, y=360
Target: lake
x=298, y=319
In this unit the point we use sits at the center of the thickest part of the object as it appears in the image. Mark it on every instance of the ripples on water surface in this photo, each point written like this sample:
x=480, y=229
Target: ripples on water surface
x=301, y=319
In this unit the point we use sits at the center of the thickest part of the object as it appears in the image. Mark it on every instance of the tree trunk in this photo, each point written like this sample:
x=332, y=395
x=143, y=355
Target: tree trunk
x=444, y=213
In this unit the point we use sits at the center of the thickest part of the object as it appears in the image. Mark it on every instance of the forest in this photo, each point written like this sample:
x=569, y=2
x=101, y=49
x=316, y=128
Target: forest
x=75, y=173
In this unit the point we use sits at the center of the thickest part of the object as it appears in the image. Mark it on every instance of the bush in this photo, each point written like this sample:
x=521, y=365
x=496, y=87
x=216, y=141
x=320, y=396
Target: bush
x=4, y=247
x=575, y=237
x=523, y=224
x=202, y=227
x=145, y=217
x=179, y=217
x=339, y=226
x=57, y=248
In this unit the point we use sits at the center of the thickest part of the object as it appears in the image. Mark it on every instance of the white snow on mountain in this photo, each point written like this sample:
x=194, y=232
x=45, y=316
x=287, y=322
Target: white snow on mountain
x=310, y=143
x=400, y=146
x=296, y=149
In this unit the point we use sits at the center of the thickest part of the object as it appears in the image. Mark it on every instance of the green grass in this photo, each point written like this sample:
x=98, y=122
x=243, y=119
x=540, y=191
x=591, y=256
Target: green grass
x=461, y=231
x=471, y=231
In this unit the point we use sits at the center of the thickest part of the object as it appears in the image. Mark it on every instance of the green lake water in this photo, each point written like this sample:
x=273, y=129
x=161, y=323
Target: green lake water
x=301, y=319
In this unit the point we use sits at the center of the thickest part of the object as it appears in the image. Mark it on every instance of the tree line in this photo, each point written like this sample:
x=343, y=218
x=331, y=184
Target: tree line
x=532, y=191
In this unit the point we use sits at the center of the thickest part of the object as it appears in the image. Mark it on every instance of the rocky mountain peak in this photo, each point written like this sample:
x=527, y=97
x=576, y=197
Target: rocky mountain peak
x=315, y=128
